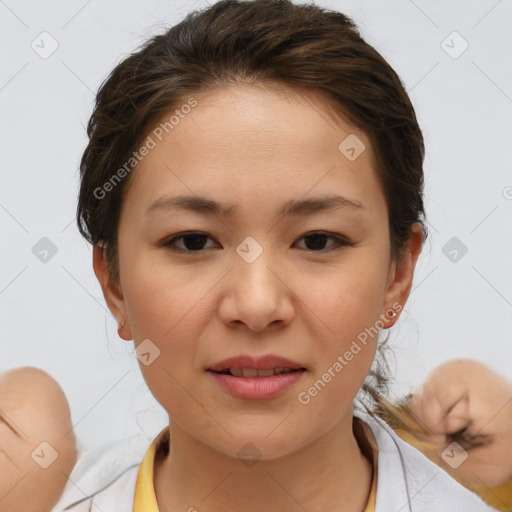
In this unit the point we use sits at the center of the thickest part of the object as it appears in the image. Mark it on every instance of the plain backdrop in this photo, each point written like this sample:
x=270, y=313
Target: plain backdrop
x=455, y=61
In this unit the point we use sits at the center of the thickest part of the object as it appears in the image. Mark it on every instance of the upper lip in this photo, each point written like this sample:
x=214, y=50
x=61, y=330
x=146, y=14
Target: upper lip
x=259, y=363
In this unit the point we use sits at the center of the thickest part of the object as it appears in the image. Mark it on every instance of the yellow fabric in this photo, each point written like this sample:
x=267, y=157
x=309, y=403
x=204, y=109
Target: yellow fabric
x=145, y=498
x=499, y=497
x=370, y=506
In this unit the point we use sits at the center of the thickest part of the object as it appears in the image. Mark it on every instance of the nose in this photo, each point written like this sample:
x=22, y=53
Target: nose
x=257, y=294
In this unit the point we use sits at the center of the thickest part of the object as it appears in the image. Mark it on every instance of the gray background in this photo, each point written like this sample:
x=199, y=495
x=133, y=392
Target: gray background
x=52, y=312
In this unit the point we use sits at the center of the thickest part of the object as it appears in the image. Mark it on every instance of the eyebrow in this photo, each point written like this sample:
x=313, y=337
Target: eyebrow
x=293, y=207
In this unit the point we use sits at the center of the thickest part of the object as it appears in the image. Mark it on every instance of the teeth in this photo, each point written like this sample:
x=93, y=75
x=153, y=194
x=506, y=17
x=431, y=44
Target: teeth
x=249, y=372
x=266, y=373
x=253, y=372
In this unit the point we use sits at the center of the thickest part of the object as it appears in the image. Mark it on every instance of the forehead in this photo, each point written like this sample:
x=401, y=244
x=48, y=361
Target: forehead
x=261, y=116
x=247, y=139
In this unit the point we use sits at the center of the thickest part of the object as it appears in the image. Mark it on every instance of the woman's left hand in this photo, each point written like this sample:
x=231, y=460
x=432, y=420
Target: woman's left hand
x=464, y=401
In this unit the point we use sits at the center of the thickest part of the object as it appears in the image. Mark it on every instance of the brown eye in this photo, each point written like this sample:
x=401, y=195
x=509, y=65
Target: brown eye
x=191, y=242
x=195, y=242
x=316, y=241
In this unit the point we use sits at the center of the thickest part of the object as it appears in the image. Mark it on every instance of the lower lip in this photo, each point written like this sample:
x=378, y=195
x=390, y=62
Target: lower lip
x=257, y=388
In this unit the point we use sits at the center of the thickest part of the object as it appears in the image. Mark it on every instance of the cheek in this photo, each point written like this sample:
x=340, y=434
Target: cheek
x=348, y=300
x=346, y=336
x=167, y=307
x=160, y=299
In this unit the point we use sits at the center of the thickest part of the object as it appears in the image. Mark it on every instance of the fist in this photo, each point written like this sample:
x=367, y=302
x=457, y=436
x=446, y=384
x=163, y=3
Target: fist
x=466, y=402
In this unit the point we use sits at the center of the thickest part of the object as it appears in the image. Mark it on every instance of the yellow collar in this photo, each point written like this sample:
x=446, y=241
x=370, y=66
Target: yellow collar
x=373, y=448
x=145, y=498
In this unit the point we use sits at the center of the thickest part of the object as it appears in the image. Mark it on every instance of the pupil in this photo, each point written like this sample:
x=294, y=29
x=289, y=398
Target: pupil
x=316, y=238
x=195, y=245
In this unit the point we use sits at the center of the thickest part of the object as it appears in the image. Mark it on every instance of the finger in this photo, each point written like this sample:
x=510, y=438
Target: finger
x=445, y=386
x=458, y=416
x=428, y=411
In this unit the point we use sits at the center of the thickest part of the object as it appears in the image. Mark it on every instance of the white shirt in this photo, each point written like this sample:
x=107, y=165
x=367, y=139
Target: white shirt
x=406, y=482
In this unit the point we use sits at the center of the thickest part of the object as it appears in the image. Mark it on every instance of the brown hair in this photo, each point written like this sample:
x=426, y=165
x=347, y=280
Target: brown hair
x=260, y=41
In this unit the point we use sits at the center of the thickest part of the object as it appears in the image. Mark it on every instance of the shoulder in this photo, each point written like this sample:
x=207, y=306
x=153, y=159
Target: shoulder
x=115, y=496
x=408, y=479
x=104, y=479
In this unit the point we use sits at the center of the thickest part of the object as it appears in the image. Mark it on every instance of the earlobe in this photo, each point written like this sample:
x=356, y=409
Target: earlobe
x=402, y=272
x=111, y=289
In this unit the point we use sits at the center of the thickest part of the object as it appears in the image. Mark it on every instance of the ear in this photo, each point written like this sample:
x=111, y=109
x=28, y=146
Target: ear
x=111, y=291
x=401, y=273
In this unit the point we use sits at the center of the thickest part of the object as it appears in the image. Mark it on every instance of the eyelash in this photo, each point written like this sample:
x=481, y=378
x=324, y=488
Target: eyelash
x=169, y=243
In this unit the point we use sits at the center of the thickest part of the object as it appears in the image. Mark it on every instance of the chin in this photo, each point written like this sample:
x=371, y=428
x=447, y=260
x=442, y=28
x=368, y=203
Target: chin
x=264, y=444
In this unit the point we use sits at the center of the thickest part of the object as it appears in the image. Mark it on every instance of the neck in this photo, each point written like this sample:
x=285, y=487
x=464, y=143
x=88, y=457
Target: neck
x=330, y=474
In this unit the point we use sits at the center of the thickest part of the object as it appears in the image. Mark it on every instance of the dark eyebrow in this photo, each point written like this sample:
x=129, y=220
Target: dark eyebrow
x=293, y=207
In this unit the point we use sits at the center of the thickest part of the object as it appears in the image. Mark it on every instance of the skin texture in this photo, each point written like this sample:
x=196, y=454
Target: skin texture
x=33, y=410
x=257, y=148
x=467, y=394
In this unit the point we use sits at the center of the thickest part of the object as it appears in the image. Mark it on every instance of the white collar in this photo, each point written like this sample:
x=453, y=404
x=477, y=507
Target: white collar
x=406, y=480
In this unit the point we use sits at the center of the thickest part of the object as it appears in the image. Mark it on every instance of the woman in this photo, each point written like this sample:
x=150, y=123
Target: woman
x=252, y=188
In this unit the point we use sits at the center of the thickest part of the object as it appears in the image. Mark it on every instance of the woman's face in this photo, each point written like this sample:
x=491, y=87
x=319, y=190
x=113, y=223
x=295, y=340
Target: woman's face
x=255, y=281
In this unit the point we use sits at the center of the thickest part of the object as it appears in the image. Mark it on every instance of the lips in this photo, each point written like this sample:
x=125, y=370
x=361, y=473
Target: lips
x=248, y=366
x=250, y=378
x=253, y=372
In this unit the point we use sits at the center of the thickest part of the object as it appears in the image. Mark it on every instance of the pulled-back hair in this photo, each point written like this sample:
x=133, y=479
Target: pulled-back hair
x=253, y=42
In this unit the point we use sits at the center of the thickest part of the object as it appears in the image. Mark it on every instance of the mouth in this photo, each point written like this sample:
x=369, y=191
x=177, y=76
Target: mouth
x=256, y=384
x=245, y=365
x=257, y=373
x=256, y=378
